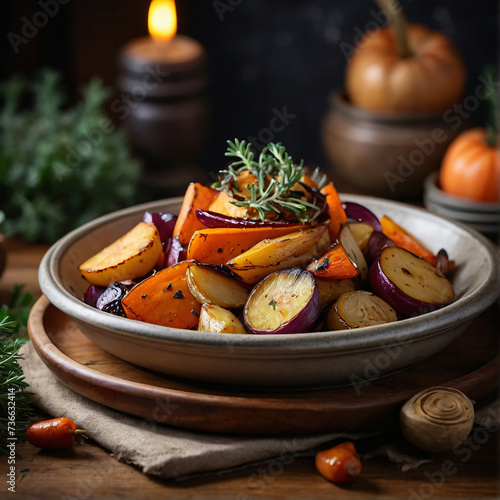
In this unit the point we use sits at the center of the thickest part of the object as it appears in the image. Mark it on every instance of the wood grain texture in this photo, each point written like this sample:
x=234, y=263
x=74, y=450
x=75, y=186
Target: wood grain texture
x=466, y=365
x=90, y=472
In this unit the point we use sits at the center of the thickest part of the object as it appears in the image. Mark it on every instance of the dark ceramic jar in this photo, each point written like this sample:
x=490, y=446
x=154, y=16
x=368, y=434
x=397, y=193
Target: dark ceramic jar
x=386, y=155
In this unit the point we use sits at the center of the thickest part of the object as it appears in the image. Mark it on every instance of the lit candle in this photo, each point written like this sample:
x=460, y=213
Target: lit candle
x=163, y=104
x=164, y=47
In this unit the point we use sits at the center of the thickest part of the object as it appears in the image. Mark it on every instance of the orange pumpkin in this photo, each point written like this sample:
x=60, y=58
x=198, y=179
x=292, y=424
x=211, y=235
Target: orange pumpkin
x=405, y=68
x=470, y=167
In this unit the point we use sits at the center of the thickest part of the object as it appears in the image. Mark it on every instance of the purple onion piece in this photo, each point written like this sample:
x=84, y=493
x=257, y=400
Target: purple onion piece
x=377, y=241
x=175, y=254
x=110, y=300
x=388, y=291
x=360, y=213
x=164, y=222
x=397, y=276
x=301, y=316
x=215, y=220
x=92, y=294
x=442, y=261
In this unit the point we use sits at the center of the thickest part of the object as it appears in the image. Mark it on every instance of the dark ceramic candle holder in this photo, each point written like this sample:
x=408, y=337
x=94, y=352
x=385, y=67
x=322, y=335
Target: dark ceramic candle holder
x=166, y=108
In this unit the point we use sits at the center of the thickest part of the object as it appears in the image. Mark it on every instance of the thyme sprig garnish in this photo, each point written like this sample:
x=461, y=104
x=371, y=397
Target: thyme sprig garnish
x=276, y=174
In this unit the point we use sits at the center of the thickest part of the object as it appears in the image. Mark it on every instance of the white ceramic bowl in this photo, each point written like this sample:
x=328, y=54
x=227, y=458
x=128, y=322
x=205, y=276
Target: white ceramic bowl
x=308, y=360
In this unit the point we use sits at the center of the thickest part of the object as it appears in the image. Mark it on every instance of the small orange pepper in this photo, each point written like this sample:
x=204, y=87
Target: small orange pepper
x=340, y=464
x=56, y=433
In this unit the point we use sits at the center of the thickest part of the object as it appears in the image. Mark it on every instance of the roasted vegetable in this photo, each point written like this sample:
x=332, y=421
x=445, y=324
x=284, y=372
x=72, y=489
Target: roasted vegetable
x=164, y=299
x=164, y=222
x=330, y=290
x=361, y=232
x=57, y=433
x=358, y=309
x=403, y=238
x=219, y=245
x=214, y=318
x=131, y=256
x=408, y=283
x=335, y=210
x=359, y=213
x=376, y=243
x=340, y=464
x=110, y=299
x=284, y=302
x=334, y=265
x=210, y=286
x=353, y=251
x=197, y=196
x=274, y=254
x=216, y=220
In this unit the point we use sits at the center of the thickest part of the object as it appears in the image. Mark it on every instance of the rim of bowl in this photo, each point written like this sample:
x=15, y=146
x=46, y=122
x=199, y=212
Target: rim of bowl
x=409, y=329
x=440, y=197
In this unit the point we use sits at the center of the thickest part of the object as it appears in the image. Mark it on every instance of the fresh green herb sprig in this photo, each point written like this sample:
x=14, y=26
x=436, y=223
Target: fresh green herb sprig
x=16, y=412
x=17, y=311
x=60, y=166
x=276, y=175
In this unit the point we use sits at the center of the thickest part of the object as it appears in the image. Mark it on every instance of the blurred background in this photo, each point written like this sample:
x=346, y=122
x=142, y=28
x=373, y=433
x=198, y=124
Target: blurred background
x=264, y=57
x=262, y=54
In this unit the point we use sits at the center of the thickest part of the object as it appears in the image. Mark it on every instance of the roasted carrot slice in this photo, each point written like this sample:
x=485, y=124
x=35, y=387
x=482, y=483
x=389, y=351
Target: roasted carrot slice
x=406, y=240
x=164, y=299
x=219, y=245
x=334, y=265
x=197, y=196
x=335, y=210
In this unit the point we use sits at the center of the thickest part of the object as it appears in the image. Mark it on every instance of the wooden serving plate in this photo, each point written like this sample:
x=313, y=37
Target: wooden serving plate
x=470, y=364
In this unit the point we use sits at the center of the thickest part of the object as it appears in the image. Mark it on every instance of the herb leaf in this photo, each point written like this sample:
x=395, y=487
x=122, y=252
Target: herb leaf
x=276, y=175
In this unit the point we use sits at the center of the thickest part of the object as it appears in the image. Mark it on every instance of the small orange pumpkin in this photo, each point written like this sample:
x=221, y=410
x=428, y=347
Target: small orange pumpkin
x=404, y=68
x=470, y=167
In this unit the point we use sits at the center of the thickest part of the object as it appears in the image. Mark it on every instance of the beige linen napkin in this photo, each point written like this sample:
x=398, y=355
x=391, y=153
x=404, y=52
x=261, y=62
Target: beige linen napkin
x=170, y=452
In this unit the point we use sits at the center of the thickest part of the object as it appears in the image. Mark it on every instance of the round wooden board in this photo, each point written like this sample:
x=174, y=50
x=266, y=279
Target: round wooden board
x=469, y=365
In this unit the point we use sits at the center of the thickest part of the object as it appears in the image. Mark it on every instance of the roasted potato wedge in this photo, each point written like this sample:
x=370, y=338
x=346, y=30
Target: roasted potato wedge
x=210, y=286
x=214, y=318
x=131, y=256
x=279, y=253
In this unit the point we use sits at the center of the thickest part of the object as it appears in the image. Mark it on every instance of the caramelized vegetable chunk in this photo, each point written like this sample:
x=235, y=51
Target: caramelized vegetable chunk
x=164, y=299
x=197, y=196
x=132, y=255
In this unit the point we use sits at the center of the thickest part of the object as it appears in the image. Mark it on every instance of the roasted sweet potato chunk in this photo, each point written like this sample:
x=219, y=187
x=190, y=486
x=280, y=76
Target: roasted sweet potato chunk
x=164, y=299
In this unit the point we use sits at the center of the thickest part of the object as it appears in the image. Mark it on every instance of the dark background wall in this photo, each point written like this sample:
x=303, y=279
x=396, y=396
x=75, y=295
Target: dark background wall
x=264, y=55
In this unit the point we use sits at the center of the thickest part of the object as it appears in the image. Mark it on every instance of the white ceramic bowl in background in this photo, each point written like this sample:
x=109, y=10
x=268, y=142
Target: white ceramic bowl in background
x=308, y=360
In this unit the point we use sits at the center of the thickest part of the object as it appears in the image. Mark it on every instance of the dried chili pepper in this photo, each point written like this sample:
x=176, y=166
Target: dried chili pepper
x=55, y=433
x=340, y=464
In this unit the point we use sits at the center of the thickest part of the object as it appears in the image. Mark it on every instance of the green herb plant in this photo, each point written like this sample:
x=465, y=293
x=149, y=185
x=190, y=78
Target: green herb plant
x=16, y=412
x=59, y=166
x=276, y=175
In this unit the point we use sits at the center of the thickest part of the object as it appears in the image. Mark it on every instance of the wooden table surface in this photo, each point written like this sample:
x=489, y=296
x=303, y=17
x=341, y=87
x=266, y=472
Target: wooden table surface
x=90, y=472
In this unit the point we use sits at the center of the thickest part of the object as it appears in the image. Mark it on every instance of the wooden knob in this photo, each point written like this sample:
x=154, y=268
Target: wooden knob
x=437, y=419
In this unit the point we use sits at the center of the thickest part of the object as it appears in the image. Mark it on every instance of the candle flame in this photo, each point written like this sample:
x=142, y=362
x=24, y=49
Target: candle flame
x=162, y=20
